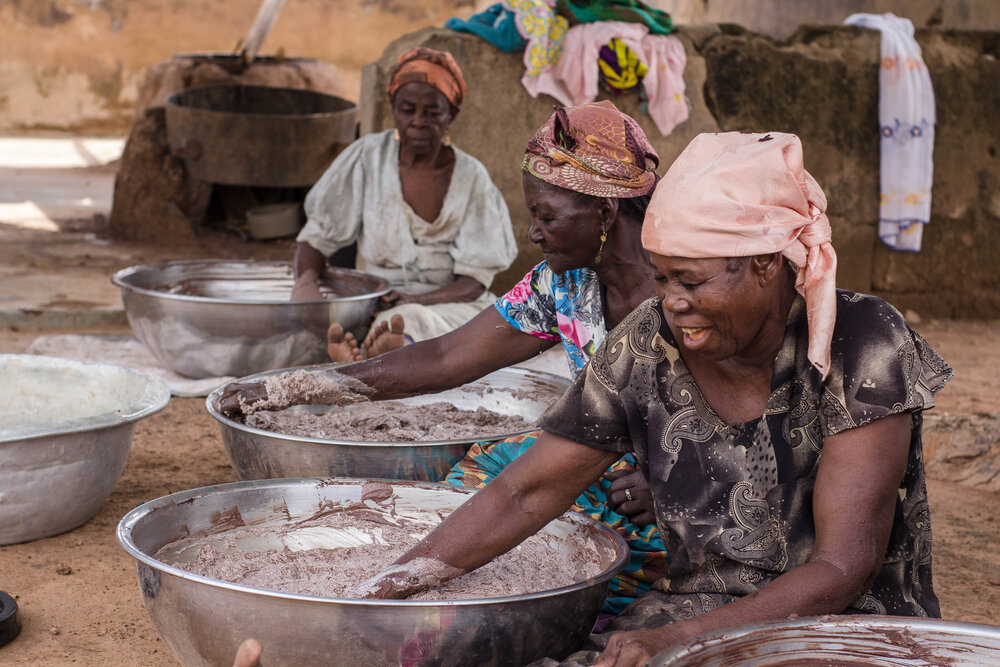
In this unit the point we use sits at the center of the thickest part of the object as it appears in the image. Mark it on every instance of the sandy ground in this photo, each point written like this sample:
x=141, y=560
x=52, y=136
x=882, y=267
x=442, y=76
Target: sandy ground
x=80, y=601
x=78, y=593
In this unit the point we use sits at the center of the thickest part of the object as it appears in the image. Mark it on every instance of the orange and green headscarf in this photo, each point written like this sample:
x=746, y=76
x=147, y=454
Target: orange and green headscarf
x=435, y=68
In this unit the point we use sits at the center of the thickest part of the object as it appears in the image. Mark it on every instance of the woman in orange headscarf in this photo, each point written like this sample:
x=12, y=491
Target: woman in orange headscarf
x=424, y=214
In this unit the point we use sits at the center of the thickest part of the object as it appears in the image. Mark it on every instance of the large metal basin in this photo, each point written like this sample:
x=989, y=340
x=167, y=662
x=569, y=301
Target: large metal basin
x=203, y=620
x=211, y=318
x=257, y=135
x=844, y=641
x=258, y=454
x=65, y=432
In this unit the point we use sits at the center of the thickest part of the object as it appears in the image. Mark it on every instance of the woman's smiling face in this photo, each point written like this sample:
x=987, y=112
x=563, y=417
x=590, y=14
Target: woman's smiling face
x=565, y=225
x=716, y=307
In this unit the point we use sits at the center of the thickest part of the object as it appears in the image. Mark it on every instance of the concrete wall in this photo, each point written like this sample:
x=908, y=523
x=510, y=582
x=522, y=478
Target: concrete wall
x=821, y=84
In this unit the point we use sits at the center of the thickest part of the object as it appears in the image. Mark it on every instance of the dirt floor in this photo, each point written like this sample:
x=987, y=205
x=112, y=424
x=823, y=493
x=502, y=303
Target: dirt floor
x=78, y=592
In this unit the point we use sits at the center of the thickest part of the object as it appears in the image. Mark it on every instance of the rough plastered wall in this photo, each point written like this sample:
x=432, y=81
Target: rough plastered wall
x=822, y=84
x=76, y=65
x=781, y=18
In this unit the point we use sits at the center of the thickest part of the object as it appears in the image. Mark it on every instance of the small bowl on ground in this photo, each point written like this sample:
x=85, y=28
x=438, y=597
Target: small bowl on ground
x=259, y=454
x=65, y=432
x=203, y=620
x=214, y=318
x=844, y=641
x=273, y=221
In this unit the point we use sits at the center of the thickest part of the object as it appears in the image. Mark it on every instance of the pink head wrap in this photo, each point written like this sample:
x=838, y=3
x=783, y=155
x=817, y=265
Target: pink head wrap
x=739, y=195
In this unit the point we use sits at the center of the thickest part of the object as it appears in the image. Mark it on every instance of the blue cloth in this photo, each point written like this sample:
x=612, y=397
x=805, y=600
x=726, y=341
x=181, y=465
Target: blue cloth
x=495, y=24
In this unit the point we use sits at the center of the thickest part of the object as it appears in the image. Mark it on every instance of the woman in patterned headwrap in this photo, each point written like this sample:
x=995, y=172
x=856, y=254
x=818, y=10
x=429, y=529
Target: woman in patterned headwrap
x=424, y=214
x=777, y=419
x=588, y=174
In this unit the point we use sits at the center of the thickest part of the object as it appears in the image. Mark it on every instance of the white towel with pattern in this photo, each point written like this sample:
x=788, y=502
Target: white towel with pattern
x=906, y=122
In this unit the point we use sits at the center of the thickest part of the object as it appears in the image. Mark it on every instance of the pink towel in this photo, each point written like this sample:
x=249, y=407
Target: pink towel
x=573, y=78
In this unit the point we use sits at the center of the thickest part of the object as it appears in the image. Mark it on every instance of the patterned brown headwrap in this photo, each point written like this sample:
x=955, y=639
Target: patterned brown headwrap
x=594, y=149
x=436, y=68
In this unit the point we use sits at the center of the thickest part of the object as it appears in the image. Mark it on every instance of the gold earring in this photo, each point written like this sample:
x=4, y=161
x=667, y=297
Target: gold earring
x=395, y=134
x=604, y=237
x=447, y=140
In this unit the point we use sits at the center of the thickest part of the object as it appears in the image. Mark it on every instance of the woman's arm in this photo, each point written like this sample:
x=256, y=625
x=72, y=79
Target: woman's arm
x=482, y=345
x=854, y=501
x=307, y=266
x=535, y=488
x=462, y=289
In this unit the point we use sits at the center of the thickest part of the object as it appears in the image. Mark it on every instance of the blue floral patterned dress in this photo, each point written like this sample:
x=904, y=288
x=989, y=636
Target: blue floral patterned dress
x=567, y=307
x=556, y=307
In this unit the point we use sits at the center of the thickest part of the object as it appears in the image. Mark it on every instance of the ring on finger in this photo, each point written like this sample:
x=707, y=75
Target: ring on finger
x=628, y=495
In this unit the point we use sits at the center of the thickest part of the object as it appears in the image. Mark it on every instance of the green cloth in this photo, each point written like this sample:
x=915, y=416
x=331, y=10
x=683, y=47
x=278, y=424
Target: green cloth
x=632, y=11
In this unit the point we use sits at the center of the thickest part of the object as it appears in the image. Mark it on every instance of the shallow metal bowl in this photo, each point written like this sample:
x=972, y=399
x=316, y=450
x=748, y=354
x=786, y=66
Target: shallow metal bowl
x=211, y=318
x=845, y=641
x=258, y=454
x=203, y=620
x=65, y=432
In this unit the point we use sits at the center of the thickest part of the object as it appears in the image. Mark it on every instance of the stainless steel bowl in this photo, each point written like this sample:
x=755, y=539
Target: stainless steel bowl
x=65, y=432
x=846, y=641
x=231, y=318
x=258, y=454
x=203, y=620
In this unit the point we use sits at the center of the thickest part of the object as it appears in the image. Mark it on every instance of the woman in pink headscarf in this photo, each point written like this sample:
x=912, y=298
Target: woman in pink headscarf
x=728, y=387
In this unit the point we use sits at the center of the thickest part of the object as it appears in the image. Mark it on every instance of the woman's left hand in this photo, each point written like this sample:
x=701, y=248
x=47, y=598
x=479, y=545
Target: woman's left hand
x=635, y=648
x=630, y=496
x=395, y=298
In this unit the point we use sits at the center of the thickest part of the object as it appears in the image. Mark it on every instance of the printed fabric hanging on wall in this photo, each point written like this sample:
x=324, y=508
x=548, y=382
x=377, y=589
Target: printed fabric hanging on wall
x=906, y=122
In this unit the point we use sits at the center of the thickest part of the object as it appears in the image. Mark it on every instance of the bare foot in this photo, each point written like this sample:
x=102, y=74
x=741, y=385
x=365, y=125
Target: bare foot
x=385, y=337
x=341, y=347
x=248, y=654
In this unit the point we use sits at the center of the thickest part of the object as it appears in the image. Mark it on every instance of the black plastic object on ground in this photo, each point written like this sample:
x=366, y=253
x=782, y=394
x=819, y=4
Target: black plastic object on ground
x=10, y=620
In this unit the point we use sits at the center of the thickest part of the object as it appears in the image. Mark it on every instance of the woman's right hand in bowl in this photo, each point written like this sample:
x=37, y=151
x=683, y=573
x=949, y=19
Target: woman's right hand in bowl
x=306, y=287
x=239, y=395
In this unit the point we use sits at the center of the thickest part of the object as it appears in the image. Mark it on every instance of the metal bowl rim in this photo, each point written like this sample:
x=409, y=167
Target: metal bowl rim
x=119, y=279
x=235, y=57
x=172, y=102
x=223, y=420
x=154, y=398
x=124, y=535
x=692, y=647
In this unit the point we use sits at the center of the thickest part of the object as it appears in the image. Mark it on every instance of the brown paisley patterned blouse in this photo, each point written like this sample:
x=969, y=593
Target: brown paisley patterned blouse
x=735, y=503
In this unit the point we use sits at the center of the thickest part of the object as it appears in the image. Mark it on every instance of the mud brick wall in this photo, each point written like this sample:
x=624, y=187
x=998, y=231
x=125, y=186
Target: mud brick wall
x=822, y=84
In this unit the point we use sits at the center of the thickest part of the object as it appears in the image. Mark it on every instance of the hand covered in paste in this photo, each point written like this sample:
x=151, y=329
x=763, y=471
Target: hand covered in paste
x=401, y=580
x=306, y=287
x=636, y=648
x=238, y=396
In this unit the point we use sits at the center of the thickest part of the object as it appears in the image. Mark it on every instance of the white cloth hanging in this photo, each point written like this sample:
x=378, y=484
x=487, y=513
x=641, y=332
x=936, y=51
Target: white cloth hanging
x=906, y=121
